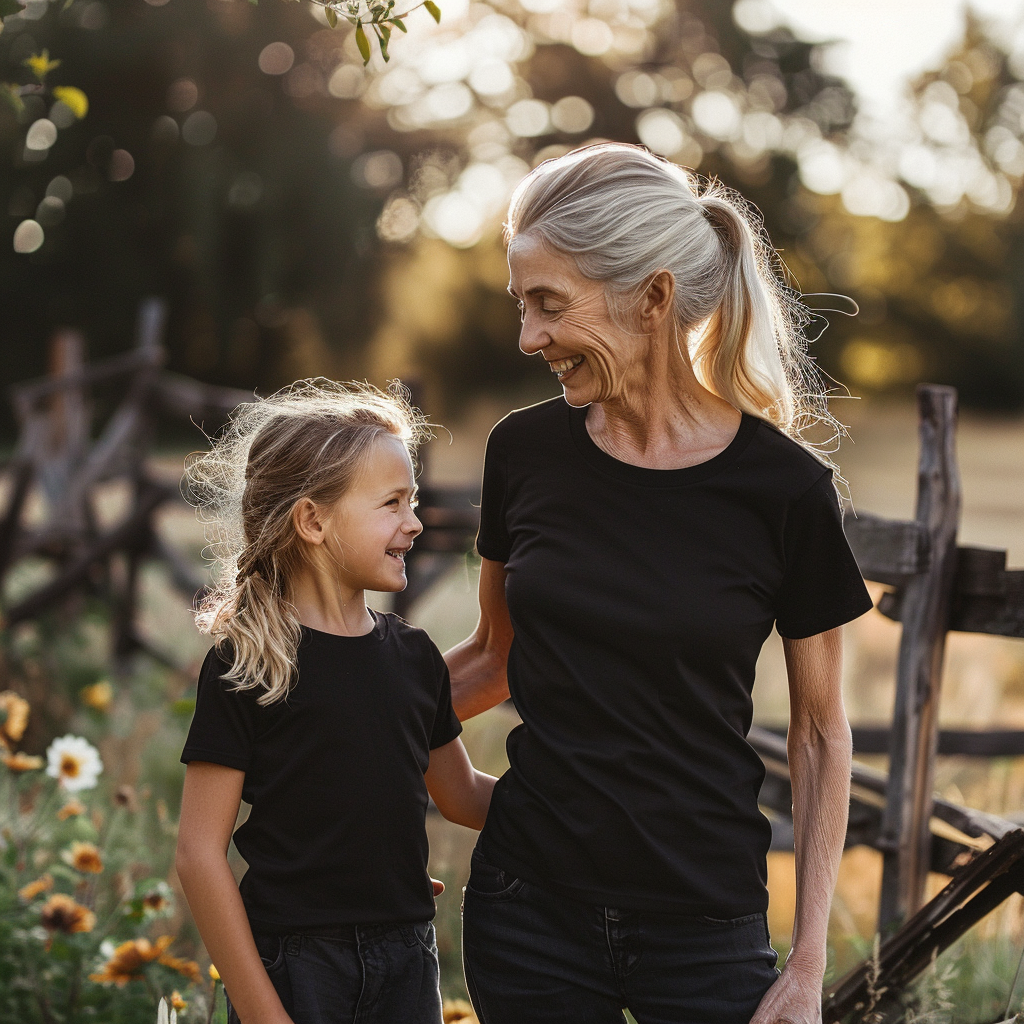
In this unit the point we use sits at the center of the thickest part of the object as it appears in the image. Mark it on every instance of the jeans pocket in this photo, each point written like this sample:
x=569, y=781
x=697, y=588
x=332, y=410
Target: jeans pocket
x=730, y=922
x=271, y=951
x=489, y=882
x=426, y=937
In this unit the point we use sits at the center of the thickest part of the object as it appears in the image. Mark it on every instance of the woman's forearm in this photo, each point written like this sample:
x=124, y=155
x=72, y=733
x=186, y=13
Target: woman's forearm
x=217, y=908
x=819, y=767
x=478, y=675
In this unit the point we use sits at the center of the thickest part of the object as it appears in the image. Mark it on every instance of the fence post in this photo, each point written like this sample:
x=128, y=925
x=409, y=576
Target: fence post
x=906, y=839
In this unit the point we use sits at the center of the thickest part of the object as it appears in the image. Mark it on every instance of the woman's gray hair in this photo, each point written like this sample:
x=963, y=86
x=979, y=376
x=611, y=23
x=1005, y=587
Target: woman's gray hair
x=623, y=214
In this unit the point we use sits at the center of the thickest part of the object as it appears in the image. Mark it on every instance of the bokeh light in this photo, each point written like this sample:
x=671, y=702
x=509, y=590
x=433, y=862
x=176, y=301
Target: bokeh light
x=200, y=128
x=41, y=135
x=28, y=236
x=276, y=59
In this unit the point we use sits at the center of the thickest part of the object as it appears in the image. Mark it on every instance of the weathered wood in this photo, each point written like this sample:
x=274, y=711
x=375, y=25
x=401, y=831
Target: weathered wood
x=987, y=597
x=926, y=605
x=873, y=986
x=888, y=550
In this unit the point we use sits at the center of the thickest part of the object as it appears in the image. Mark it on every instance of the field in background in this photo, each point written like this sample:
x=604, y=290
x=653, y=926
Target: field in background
x=983, y=685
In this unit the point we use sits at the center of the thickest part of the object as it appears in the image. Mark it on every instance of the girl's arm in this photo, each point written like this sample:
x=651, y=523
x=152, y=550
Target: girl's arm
x=209, y=807
x=477, y=665
x=462, y=794
x=820, y=752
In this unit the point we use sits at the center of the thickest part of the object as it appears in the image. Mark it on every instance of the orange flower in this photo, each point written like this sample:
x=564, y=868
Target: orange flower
x=61, y=913
x=33, y=889
x=98, y=696
x=71, y=809
x=186, y=968
x=177, y=1003
x=13, y=718
x=20, y=762
x=131, y=959
x=84, y=857
x=155, y=901
x=458, y=1010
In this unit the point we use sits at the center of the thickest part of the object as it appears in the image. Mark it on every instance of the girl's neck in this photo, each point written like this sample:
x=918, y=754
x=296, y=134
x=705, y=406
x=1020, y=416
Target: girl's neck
x=328, y=606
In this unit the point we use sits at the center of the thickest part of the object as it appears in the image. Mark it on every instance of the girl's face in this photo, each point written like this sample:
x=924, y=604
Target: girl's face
x=566, y=319
x=372, y=526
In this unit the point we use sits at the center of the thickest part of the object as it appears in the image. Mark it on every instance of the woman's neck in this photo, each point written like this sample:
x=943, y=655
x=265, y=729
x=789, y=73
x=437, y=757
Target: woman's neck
x=663, y=418
x=324, y=604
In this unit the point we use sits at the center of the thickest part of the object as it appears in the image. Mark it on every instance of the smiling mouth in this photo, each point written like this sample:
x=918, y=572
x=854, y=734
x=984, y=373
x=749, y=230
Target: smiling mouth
x=560, y=367
x=397, y=553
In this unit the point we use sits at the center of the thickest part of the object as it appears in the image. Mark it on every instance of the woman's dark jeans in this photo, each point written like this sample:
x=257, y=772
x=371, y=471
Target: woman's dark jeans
x=382, y=974
x=533, y=956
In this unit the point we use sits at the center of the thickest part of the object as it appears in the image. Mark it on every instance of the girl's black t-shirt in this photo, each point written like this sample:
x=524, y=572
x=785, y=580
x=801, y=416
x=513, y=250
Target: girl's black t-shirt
x=640, y=599
x=334, y=774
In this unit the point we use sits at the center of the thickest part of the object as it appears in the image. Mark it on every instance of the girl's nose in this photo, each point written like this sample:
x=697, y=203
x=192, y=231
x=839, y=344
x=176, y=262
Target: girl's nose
x=413, y=526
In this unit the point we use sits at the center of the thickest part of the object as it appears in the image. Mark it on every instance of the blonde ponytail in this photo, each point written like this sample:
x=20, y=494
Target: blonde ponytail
x=307, y=441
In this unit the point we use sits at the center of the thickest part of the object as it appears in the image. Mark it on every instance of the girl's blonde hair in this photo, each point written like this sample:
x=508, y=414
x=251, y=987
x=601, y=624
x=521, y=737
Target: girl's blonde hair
x=308, y=440
x=623, y=214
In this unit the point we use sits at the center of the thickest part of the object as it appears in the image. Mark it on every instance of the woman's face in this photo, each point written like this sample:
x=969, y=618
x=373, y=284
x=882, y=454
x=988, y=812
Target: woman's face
x=566, y=319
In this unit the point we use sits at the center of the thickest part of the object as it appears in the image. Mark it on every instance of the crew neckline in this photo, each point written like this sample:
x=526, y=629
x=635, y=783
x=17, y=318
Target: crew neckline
x=378, y=633
x=644, y=475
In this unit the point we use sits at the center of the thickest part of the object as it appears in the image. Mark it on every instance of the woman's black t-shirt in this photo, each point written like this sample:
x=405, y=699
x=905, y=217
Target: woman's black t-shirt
x=640, y=599
x=334, y=773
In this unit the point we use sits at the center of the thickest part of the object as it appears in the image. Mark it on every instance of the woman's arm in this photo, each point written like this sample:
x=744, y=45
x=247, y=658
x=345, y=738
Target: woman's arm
x=462, y=794
x=209, y=807
x=820, y=753
x=477, y=665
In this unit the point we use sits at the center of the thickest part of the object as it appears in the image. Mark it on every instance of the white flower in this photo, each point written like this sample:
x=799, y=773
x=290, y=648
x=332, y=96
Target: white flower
x=74, y=762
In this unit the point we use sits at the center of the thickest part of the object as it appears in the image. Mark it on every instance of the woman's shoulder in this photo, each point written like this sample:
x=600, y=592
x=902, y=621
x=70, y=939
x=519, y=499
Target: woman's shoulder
x=786, y=461
x=530, y=421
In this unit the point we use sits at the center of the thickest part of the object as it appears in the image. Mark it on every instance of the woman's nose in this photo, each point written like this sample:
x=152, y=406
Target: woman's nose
x=532, y=338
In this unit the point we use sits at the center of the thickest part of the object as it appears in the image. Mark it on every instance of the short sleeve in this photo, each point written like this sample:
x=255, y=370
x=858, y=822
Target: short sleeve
x=492, y=540
x=446, y=724
x=224, y=724
x=822, y=587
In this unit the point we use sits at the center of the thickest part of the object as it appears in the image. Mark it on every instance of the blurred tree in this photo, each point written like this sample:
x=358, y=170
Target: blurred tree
x=241, y=161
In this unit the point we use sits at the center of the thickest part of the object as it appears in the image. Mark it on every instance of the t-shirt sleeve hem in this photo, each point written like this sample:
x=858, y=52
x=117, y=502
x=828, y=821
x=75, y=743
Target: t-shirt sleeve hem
x=812, y=627
x=445, y=738
x=214, y=757
x=494, y=554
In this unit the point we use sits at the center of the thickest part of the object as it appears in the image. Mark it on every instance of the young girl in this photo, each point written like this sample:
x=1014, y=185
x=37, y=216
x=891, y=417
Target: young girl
x=331, y=720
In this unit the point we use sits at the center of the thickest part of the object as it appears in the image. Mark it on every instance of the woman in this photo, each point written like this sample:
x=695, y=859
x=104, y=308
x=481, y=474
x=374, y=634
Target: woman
x=640, y=538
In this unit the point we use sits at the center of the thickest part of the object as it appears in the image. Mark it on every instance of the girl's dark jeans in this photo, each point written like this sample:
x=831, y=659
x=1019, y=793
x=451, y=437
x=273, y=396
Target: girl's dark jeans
x=381, y=974
x=533, y=956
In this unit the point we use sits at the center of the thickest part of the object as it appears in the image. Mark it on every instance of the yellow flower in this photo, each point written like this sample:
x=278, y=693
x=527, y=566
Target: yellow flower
x=61, y=913
x=20, y=762
x=84, y=857
x=214, y=973
x=41, y=64
x=98, y=696
x=131, y=959
x=187, y=968
x=177, y=1003
x=13, y=718
x=71, y=809
x=33, y=889
x=73, y=98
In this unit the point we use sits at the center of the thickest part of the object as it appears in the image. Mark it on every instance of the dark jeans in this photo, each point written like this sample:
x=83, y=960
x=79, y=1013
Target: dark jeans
x=534, y=956
x=382, y=974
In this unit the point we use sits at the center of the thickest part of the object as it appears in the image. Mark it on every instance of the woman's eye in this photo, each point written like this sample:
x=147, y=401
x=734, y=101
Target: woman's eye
x=415, y=503
x=522, y=311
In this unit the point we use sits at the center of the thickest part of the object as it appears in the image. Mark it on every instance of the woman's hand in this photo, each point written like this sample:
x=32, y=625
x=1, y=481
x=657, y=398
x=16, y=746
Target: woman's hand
x=795, y=998
x=477, y=665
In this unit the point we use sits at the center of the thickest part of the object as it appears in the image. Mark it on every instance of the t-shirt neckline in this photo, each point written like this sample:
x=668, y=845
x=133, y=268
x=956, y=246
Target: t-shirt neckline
x=645, y=476
x=378, y=633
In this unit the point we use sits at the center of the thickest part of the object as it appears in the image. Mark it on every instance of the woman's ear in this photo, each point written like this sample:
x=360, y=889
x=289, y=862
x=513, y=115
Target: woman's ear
x=307, y=521
x=657, y=300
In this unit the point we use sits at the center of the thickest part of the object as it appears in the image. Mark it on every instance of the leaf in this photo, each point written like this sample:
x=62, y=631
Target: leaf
x=12, y=94
x=332, y=16
x=399, y=24
x=363, y=43
x=382, y=40
x=8, y=7
x=433, y=10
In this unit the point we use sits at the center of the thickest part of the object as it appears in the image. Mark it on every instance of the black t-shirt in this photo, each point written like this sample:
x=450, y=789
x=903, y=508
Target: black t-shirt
x=640, y=599
x=334, y=774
